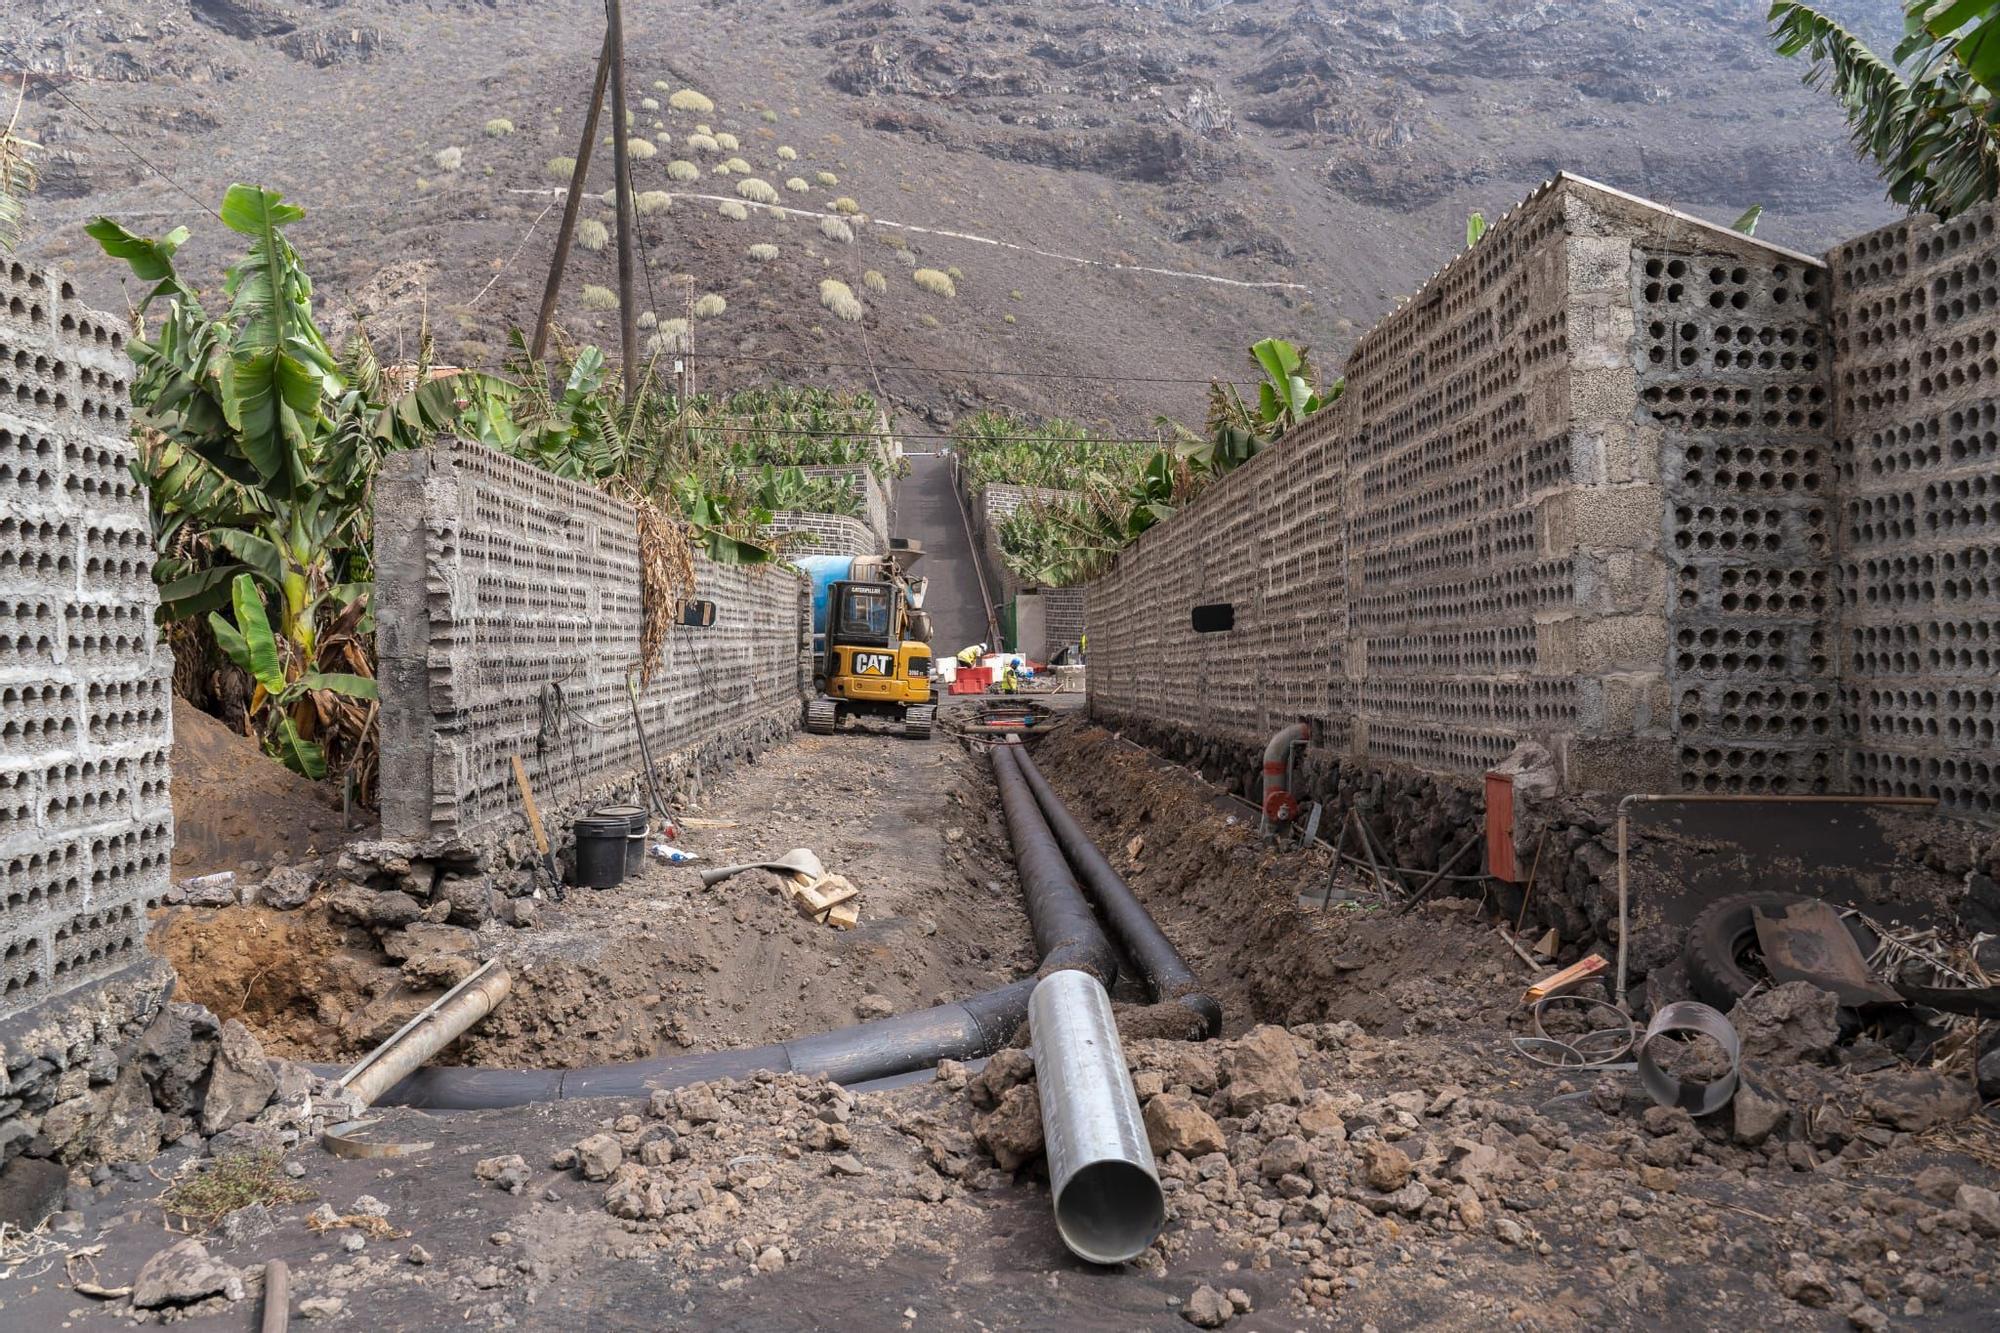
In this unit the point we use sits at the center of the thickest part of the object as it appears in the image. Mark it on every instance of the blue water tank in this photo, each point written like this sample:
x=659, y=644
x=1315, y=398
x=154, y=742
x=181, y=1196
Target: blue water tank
x=824, y=571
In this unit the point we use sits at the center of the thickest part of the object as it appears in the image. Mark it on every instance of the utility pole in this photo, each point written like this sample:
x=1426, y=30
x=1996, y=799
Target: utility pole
x=628, y=215
x=571, y=205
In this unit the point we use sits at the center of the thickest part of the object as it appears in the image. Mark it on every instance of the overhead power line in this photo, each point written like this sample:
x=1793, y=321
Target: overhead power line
x=808, y=363
x=77, y=107
x=800, y=432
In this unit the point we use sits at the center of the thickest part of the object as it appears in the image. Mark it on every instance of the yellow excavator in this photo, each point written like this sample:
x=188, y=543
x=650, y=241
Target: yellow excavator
x=871, y=641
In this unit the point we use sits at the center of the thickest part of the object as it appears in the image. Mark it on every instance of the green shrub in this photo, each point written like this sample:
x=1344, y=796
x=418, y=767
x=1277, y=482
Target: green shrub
x=592, y=234
x=709, y=306
x=560, y=167
x=846, y=205
x=1007, y=319
x=763, y=252
x=834, y=229
x=1014, y=295
x=732, y=210
x=649, y=104
x=954, y=274
x=499, y=127
x=934, y=282
x=826, y=178
x=928, y=321
x=687, y=99
x=838, y=297
x=672, y=337
x=797, y=185
x=874, y=282
x=737, y=165
x=662, y=86
x=719, y=169
x=999, y=448
x=787, y=153
x=728, y=142
x=642, y=149
x=768, y=116
x=703, y=129
x=599, y=298
x=908, y=259
x=650, y=202
x=702, y=143
x=894, y=242
x=756, y=191
x=680, y=169
x=449, y=159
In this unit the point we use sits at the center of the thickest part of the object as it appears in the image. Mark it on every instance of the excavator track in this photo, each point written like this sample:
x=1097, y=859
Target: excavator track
x=822, y=717
x=917, y=720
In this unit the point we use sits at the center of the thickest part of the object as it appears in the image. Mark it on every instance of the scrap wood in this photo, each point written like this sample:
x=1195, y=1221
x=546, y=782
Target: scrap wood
x=843, y=916
x=376, y=1228
x=1574, y=975
x=814, y=898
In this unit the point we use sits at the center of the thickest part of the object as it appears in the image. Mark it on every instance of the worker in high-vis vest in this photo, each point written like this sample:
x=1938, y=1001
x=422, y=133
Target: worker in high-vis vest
x=969, y=656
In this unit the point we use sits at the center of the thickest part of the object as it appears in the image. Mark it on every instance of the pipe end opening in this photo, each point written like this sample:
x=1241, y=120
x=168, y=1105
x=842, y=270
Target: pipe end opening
x=1110, y=1211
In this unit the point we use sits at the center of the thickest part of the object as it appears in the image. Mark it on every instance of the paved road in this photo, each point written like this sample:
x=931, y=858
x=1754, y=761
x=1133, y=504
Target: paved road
x=927, y=512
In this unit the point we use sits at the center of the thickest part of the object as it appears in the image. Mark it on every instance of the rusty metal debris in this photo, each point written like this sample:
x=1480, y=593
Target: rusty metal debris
x=1806, y=941
x=1605, y=1047
x=1690, y=1018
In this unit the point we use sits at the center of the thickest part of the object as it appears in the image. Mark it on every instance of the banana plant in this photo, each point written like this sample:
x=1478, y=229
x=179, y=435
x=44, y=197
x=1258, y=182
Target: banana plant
x=284, y=685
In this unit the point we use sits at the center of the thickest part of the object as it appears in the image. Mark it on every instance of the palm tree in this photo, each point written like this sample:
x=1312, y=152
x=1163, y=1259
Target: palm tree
x=1929, y=119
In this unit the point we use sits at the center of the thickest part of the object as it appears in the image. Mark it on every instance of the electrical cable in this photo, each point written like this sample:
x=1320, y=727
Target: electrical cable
x=77, y=107
x=809, y=363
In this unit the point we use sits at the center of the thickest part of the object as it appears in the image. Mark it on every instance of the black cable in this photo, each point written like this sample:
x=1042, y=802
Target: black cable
x=144, y=161
x=958, y=370
x=800, y=432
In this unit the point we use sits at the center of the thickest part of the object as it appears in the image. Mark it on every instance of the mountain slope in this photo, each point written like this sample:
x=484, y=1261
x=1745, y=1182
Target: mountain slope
x=1330, y=150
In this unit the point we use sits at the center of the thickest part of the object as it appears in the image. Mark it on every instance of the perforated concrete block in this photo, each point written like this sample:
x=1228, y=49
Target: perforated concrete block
x=85, y=817
x=512, y=602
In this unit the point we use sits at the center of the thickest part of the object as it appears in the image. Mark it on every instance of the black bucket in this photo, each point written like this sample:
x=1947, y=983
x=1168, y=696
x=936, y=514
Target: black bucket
x=635, y=846
x=600, y=850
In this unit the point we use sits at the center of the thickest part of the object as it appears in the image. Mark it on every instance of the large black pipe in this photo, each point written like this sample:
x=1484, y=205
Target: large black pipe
x=1066, y=932
x=857, y=1054
x=1168, y=977
x=1067, y=935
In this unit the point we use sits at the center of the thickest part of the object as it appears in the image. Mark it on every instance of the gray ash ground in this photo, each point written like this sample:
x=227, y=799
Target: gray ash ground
x=1401, y=1167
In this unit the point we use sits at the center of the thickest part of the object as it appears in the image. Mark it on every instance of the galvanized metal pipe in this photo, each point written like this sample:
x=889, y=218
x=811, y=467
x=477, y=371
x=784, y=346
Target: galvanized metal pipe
x=1108, y=1203
x=1168, y=977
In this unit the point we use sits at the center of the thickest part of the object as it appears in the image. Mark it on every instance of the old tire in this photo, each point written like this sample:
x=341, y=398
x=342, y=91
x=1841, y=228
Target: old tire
x=1721, y=951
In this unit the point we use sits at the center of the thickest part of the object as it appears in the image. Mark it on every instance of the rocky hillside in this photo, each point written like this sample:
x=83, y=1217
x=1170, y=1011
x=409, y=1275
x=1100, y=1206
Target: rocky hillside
x=1229, y=170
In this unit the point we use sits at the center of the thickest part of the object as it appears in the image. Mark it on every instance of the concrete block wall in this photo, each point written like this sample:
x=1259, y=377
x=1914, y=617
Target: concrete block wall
x=827, y=534
x=874, y=497
x=1916, y=449
x=86, y=827
x=508, y=615
x=988, y=507
x=1695, y=512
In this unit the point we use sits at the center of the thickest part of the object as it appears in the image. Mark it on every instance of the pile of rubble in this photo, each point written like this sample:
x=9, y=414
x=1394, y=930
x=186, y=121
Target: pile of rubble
x=1344, y=1163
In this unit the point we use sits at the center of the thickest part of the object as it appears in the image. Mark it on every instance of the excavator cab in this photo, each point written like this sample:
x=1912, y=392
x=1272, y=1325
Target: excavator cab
x=873, y=650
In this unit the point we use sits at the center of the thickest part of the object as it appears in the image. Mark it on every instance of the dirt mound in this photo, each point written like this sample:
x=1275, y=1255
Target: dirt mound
x=658, y=964
x=234, y=805
x=1231, y=905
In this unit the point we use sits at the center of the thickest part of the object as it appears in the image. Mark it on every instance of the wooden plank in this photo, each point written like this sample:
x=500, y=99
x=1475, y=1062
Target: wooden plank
x=843, y=916
x=1574, y=975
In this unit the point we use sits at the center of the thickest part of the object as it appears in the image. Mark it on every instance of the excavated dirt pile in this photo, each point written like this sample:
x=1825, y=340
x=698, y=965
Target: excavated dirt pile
x=325, y=959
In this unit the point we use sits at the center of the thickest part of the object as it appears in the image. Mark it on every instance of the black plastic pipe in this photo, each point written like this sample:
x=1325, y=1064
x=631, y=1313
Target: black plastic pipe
x=1066, y=931
x=1168, y=977
x=857, y=1054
